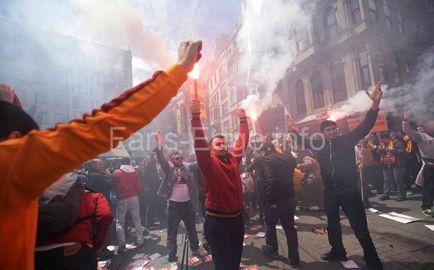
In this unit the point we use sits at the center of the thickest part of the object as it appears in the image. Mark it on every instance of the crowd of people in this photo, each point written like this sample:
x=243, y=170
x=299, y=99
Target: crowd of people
x=56, y=196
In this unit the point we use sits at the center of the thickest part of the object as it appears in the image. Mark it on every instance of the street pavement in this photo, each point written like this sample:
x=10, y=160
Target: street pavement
x=400, y=246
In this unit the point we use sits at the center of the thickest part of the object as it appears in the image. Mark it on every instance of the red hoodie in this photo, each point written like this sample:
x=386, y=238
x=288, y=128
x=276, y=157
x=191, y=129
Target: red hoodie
x=223, y=188
x=90, y=204
x=127, y=182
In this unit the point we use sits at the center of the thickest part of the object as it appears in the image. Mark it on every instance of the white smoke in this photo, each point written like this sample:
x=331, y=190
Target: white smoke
x=119, y=24
x=266, y=43
x=254, y=105
x=417, y=96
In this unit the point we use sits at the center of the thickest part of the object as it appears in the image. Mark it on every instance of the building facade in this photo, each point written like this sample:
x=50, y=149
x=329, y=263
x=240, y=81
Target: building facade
x=59, y=77
x=351, y=45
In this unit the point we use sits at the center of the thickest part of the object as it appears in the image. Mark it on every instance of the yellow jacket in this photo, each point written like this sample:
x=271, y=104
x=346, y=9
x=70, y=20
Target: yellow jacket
x=30, y=164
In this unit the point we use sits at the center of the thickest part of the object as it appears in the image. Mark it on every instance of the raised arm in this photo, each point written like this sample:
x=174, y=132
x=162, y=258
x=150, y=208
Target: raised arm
x=371, y=116
x=159, y=152
x=243, y=137
x=201, y=147
x=416, y=136
x=301, y=140
x=48, y=154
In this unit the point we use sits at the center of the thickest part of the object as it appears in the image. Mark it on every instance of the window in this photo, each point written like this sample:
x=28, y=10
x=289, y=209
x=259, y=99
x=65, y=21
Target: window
x=317, y=90
x=225, y=109
x=354, y=7
x=338, y=81
x=364, y=69
x=387, y=14
x=300, y=98
x=301, y=39
x=372, y=4
x=233, y=94
x=226, y=126
x=381, y=66
x=395, y=69
x=331, y=22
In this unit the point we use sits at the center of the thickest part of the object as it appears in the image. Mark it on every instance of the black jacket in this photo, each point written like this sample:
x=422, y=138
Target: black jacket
x=99, y=182
x=278, y=176
x=337, y=158
x=166, y=187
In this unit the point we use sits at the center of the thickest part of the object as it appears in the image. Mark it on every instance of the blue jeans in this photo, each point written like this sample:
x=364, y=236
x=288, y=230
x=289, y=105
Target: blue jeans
x=285, y=213
x=394, y=175
x=177, y=211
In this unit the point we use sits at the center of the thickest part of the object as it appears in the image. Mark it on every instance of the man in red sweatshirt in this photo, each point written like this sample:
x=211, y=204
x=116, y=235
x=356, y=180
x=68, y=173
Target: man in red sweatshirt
x=224, y=227
x=128, y=186
x=76, y=248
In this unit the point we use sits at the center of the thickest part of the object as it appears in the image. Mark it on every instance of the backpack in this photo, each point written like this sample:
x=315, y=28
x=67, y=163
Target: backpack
x=59, y=205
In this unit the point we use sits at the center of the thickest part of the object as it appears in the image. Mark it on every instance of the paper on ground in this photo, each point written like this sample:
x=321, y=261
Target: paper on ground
x=431, y=227
x=139, y=256
x=260, y=234
x=139, y=264
x=373, y=210
x=399, y=217
x=349, y=264
x=154, y=256
x=102, y=264
x=130, y=246
x=279, y=227
x=296, y=218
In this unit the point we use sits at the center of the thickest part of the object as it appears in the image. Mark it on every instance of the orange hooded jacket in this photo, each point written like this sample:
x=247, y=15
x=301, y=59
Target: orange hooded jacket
x=30, y=164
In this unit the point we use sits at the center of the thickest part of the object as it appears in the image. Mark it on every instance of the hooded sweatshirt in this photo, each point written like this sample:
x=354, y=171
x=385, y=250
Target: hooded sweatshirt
x=127, y=182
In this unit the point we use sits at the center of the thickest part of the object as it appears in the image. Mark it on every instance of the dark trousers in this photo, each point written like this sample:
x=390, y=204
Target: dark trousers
x=428, y=188
x=177, y=211
x=55, y=259
x=225, y=237
x=351, y=203
x=369, y=174
x=378, y=178
x=285, y=213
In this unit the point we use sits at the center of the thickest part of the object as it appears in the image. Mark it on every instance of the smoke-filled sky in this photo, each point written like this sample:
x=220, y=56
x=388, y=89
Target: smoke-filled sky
x=152, y=29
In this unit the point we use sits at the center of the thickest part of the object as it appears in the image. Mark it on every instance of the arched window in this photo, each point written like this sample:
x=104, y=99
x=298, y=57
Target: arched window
x=372, y=4
x=400, y=21
x=381, y=63
x=301, y=39
x=387, y=14
x=300, y=98
x=317, y=90
x=331, y=22
x=364, y=68
x=396, y=69
x=354, y=7
x=338, y=81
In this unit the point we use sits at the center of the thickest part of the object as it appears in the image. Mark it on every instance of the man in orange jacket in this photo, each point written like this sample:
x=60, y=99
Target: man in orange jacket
x=32, y=159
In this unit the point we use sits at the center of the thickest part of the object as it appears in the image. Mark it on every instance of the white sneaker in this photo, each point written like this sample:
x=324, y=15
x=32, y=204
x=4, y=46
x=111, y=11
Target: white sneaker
x=200, y=252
